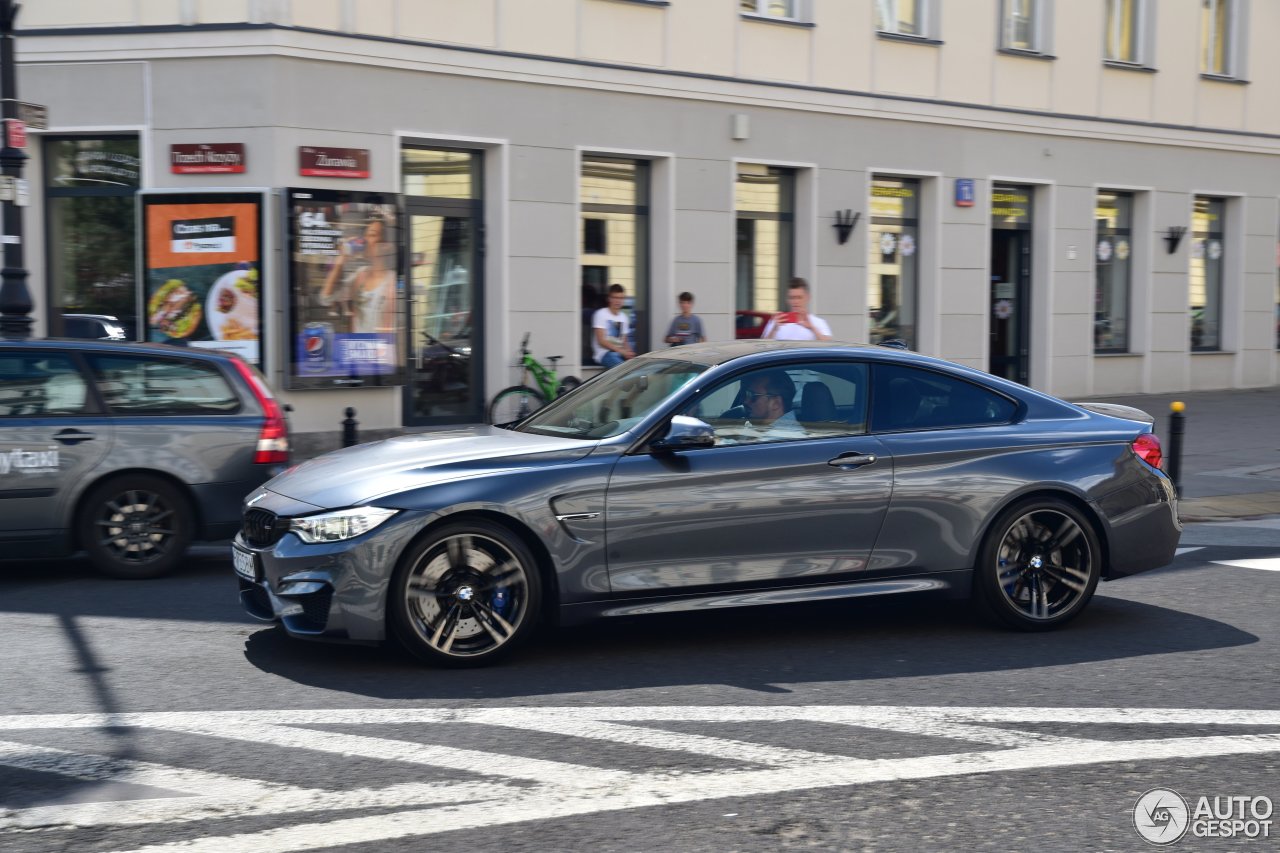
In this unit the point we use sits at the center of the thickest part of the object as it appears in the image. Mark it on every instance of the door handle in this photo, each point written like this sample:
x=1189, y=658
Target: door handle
x=852, y=459
x=72, y=436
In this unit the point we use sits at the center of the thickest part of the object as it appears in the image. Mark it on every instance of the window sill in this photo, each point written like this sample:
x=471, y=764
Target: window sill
x=1212, y=352
x=1224, y=78
x=1116, y=354
x=770, y=19
x=1025, y=54
x=645, y=2
x=1121, y=65
x=908, y=39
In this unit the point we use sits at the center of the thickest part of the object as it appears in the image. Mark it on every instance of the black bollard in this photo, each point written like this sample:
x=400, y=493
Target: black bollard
x=1177, y=425
x=349, y=424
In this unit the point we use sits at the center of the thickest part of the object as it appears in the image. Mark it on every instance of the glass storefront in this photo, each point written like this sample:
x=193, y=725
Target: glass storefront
x=764, y=201
x=89, y=187
x=444, y=213
x=1113, y=250
x=894, y=263
x=614, y=241
x=1207, y=249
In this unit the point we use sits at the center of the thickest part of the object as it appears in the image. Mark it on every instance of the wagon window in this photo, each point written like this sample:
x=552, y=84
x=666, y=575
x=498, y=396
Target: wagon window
x=134, y=385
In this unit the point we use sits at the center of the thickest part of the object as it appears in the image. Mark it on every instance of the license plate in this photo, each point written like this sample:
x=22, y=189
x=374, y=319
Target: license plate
x=245, y=562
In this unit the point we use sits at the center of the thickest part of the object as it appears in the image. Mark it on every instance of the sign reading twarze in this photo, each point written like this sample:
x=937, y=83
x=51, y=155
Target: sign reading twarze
x=207, y=158
x=333, y=162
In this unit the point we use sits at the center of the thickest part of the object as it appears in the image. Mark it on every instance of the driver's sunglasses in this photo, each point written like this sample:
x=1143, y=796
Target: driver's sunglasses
x=748, y=396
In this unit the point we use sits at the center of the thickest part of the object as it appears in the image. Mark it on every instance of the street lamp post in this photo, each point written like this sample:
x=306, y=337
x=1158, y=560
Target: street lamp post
x=15, y=297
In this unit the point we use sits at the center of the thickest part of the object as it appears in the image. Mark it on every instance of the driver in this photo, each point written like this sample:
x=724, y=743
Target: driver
x=768, y=400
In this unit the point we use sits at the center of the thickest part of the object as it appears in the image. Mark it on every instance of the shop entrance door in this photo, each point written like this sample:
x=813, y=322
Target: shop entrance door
x=445, y=322
x=1010, y=305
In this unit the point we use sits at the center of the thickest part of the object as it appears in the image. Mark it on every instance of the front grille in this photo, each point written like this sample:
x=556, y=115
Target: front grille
x=262, y=528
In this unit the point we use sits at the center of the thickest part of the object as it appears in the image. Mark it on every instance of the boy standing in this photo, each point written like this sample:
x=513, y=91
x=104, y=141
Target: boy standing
x=611, y=328
x=685, y=328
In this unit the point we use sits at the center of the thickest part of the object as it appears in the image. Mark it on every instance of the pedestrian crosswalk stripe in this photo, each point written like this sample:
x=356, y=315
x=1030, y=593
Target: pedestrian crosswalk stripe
x=514, y=789
x=1266, y=564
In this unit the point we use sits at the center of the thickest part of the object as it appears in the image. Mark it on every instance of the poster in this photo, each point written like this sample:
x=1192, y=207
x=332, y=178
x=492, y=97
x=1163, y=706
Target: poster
x=202, y=271
x=346, y=289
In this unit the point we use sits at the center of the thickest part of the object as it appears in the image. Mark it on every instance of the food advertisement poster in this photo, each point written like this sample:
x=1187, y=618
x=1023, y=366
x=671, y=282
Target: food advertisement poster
x=202, y=277
x=346, y=289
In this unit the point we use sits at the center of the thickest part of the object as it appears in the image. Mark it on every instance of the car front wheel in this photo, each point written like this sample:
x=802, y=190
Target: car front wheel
x=466, y=596
x=135, y=526
x=1038, y=566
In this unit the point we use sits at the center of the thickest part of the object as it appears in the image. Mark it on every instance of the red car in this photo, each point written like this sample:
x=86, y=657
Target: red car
x=750, y=324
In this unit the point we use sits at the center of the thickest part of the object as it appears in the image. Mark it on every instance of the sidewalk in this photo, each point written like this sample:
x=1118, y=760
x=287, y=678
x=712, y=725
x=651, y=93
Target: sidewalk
x=1230, y=450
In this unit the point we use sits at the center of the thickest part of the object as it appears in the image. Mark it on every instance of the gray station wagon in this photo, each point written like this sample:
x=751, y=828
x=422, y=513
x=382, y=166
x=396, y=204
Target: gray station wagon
x=129, y=451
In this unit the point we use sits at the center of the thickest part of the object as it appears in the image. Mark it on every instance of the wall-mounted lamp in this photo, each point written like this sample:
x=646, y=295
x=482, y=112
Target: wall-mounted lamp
x=1174, y=237
x=846, y=221
x=740, y=126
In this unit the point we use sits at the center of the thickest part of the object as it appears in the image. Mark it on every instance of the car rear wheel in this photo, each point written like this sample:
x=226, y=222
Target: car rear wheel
x=466, y=596
x=1038, y=566
x=135, y=526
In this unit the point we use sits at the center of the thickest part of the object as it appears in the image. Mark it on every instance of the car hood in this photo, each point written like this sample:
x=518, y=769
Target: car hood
x=359, y=474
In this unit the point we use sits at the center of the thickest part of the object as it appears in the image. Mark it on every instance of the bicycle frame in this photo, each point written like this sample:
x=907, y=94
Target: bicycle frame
x=548, y=381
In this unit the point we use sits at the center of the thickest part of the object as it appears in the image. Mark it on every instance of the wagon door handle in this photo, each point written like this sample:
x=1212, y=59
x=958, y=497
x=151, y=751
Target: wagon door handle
x=852, y=459
x=72, y=436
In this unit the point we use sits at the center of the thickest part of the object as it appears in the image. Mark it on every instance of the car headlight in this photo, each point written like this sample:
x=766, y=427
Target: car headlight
x=339, y=525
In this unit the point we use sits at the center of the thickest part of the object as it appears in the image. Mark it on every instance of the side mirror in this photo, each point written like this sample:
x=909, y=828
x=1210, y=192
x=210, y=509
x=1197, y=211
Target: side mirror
x=684, y=433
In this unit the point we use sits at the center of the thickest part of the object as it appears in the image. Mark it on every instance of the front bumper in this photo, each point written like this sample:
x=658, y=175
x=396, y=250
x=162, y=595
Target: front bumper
x=335, y=591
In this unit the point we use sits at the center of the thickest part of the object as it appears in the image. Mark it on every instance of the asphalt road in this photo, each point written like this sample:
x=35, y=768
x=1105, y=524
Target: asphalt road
x=155, y=715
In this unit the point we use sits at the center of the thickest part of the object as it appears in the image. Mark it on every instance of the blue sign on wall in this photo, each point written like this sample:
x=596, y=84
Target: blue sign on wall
x=964, y=192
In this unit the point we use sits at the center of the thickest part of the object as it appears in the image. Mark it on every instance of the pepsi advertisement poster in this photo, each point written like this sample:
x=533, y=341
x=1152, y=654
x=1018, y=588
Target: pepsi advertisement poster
x=346, y=290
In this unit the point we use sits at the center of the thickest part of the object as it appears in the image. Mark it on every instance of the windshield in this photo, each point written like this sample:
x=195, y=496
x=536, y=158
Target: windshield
x=613, y=402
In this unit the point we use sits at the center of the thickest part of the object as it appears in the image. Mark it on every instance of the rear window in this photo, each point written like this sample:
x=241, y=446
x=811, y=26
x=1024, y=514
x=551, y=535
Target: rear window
x=140, y=385
x=906, y=398
x=36, y=385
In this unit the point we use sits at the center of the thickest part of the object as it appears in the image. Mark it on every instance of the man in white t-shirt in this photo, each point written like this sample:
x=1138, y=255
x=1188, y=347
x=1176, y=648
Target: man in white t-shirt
x=611, y=331
x=797, y=324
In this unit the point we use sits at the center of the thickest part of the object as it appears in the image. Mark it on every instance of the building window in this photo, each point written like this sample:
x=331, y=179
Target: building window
x=1122, y=37
x=90, y=185
x=894, y=264
x=1206, y=273
x=1021, y=25
x=1217, y=31
x=764, y=199
x=785, y=9
x=615, y=233
x=902, y=17
x=1113, y=250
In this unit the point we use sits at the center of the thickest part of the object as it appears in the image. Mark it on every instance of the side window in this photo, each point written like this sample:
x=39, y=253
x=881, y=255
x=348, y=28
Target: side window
x=35, y=385
x=139, y=385
x=818, y=400
x=907, y=398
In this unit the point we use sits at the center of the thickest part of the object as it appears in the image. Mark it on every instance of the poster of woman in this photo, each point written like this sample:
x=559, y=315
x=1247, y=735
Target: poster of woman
x=345, y=289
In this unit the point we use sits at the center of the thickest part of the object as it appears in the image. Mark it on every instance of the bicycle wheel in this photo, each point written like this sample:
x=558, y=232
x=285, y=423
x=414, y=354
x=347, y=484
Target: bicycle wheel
x=515, y=404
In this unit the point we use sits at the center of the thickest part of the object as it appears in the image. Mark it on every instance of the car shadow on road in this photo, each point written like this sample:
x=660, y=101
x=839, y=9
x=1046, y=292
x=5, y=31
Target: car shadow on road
x=755, y=649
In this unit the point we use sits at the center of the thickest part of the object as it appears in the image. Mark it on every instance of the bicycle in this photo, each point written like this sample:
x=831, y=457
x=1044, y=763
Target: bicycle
x=519, y=401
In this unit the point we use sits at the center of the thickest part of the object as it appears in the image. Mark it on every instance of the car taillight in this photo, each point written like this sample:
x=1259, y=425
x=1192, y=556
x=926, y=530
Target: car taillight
x=1147, y=446
x=273, y=440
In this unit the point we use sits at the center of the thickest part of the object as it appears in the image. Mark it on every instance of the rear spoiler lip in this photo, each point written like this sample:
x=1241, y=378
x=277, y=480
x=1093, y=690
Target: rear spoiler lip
x=1115, y=410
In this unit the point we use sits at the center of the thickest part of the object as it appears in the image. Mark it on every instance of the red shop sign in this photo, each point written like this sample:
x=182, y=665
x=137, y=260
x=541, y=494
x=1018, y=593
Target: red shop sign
x=205, y=158
x=15, y=133
x=333, y=162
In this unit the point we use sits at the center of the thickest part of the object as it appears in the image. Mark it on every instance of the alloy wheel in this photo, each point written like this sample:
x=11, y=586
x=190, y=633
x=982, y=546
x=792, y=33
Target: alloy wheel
x=1044, y=565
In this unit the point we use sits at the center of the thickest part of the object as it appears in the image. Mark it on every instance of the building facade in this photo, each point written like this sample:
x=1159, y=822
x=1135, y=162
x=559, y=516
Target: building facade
x=1082, y=196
